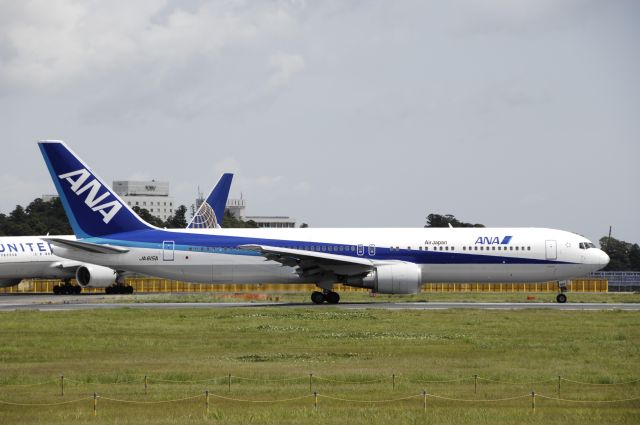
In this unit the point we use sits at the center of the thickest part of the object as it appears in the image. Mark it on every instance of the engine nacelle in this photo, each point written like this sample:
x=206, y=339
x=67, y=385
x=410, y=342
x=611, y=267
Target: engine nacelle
x=92, y=276
x=5, y=283
x=400, y=278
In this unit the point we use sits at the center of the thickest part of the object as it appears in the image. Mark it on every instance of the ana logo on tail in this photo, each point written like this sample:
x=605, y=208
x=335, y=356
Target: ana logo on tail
x=92, y=200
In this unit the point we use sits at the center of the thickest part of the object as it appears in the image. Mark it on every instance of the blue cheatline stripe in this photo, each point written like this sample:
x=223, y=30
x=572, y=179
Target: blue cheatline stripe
x=506, y=240
x=218, y=244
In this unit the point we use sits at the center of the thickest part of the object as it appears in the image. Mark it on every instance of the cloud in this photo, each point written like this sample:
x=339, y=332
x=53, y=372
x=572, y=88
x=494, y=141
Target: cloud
x=127, y=60
x=284, y=67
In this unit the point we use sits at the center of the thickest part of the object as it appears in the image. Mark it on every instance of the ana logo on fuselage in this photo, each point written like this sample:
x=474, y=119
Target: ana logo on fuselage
x=493, y=240
x=92, y=200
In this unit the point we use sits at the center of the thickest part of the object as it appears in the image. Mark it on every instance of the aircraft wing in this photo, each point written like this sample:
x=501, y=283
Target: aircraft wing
x=311, y=263
x=87, y=246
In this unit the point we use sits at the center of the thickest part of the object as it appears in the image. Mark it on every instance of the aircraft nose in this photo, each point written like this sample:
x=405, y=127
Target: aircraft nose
x=602, y=258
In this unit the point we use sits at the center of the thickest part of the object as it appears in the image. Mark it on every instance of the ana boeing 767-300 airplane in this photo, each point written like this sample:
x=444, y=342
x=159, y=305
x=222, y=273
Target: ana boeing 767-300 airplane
x=391, y=261
x=31, y=257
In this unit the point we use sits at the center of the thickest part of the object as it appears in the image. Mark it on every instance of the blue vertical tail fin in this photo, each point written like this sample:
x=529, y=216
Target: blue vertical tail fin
x=93, y=209
x=210, y=213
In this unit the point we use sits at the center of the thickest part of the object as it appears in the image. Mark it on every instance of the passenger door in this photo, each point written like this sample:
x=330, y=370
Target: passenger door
x=551, y=250
x=168, y=248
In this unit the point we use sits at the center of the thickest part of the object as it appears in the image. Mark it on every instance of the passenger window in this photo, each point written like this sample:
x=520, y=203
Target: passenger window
x=420, y=248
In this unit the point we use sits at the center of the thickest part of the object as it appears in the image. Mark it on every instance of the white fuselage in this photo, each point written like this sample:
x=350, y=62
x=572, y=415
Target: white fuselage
x=443, y=254
x=30, y=257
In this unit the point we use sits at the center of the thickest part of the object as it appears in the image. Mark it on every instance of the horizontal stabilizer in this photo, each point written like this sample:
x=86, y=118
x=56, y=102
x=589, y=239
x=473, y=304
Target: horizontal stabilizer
x=87, y=246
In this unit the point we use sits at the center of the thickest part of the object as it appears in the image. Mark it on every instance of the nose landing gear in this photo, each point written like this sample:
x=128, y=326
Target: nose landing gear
x=329, y=296
x=561, y=297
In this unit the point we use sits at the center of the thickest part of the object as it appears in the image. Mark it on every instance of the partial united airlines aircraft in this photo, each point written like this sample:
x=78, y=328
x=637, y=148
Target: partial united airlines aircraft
x=391, y=261
x=31, y=257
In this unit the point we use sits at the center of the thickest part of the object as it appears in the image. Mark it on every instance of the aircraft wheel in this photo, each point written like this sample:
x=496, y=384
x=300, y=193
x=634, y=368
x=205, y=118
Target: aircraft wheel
x=129, y=289
x=561, y=298
x=332, y=297
x=77, y=290
x=56, y=290
x=317, y=297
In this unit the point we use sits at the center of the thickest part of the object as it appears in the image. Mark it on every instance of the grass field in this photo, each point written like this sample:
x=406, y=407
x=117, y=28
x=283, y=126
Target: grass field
x=96, y=349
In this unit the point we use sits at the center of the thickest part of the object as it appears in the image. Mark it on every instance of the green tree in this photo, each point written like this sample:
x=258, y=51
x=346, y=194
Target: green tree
x=634, y=257
x=623, y=256
x=38, y=218
x=438, y=220
x=178, y=220
x=144, y=214
x=231, y=222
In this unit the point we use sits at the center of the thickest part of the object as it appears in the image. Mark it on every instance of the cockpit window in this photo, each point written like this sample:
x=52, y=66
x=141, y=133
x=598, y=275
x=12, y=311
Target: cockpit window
x=586, y=245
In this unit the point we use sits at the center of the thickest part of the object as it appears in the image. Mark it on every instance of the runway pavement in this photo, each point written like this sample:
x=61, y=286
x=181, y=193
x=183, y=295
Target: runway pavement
x=15, y=302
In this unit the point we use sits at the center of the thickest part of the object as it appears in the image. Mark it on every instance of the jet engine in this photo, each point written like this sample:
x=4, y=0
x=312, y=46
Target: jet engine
x=399, y=278
x=92, y=276
x=5, y=283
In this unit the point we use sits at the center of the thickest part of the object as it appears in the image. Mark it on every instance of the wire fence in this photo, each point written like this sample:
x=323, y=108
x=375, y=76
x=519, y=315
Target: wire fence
x=205, y=396
x=329, y=396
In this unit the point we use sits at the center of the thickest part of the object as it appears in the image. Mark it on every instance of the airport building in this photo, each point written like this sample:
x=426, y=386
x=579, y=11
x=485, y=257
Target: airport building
x=151, y=195
x=236, y=208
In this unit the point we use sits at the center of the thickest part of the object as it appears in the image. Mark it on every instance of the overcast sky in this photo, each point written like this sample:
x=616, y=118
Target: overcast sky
x=338, y=113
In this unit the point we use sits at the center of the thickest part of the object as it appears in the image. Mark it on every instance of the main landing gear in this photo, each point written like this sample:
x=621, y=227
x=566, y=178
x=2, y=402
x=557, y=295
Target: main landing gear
x=67, y=289
x=329, y=296
x=118, y=289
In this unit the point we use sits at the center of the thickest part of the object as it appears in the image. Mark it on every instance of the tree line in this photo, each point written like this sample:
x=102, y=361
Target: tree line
x=48, y=217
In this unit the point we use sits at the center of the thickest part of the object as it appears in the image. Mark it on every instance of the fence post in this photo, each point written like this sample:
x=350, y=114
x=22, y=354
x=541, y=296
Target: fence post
x=315, y=400
x=206, y=400
x=95, y=404
x=229, y=382
x=145, y=384
x=62, y=385
x=424, y=396
x=559, y=379
x=475, y=384
x=393, y=381
x=533, y=400
x=310, y=382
